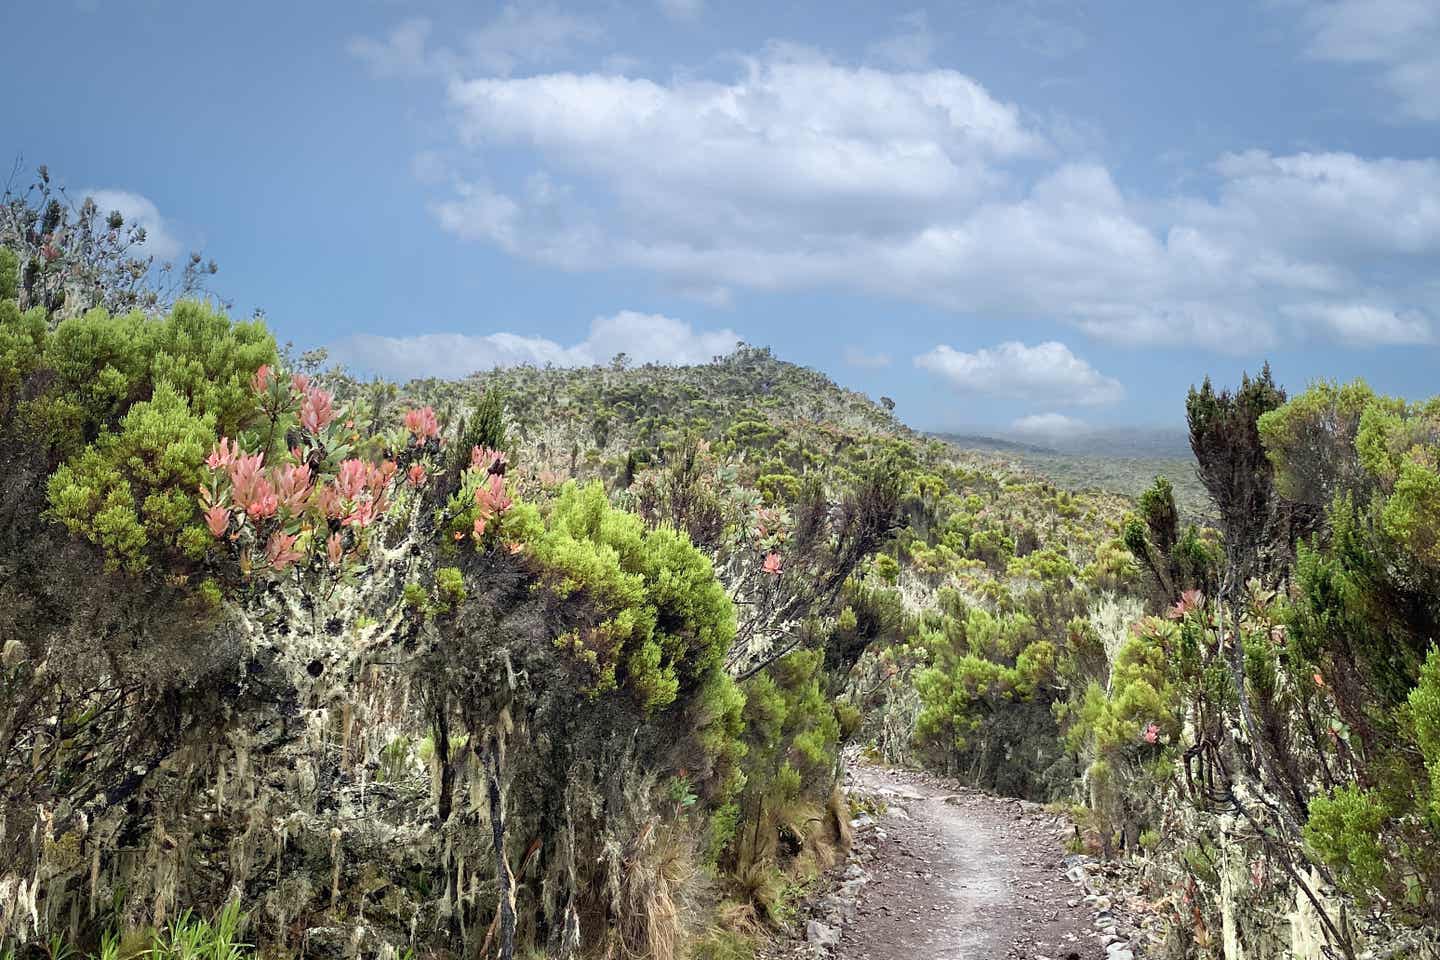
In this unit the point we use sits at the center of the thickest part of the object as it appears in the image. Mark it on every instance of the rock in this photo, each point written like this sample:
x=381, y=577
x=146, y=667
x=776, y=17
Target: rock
x=825, y=935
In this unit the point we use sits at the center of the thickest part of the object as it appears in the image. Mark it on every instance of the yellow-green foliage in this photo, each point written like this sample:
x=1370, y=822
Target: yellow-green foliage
x=1424, y=710
x=132, y=404
x=134, y=487
x=1344, y=829
x=665, y=619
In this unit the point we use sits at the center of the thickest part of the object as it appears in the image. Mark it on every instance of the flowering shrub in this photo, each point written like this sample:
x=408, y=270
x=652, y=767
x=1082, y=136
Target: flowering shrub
x=312, y=499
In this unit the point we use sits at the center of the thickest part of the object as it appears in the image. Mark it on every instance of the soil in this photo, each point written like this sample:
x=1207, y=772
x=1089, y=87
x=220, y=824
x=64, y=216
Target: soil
x=957, y=874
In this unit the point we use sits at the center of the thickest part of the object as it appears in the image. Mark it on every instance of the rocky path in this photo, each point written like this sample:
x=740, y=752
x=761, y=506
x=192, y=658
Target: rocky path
x=959, y=875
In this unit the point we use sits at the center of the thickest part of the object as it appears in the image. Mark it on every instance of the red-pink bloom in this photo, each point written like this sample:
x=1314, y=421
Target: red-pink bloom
x=334, y=549
x=292, y=486
x=299, y=382
x=361, y=515
x=262, y=379
x=491, y=496
x=280, y=550
x=1189, y=601
x=772, y=564
x=217, y=518
x=1152, y=733
x=222, y=454
x=326, y=500
x=252, y=492
x=416, y=475
x=422, y=424
x=350, y=482
x=316, y=411
x=490, y=461
x=381, y=475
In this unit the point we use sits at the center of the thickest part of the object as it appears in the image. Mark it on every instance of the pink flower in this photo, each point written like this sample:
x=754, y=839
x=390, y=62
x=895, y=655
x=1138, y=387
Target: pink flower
x=292, y=486
x=299, y=382
x=334, y=549
x=326, y=500
x=252, y=492
x=416, y=475
x=1152, y=733
x=422, y=424
x=262, y=379
x=361, y=515
x=491, y=500
x=350, y=482
x=222, y=454
x=490, y=461
x=217, y=518
x=316, y=411
x=491, y=497
x=772, y=564
x=280, y=550
x=1189, y=601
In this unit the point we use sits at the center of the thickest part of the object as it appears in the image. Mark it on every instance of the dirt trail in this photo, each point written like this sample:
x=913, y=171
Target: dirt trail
x=959, y=875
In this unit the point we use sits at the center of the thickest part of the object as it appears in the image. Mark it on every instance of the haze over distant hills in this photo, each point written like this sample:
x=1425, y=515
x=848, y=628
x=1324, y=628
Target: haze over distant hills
x=1117, y=459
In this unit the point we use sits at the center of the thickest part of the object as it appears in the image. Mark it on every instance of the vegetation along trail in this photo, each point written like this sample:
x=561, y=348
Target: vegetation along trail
x=961, y=876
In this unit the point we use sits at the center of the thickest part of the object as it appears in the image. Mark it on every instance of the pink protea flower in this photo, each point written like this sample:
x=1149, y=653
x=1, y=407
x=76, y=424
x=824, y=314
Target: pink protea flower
x=772, y=564
x=262, y=379
x=217, y=518
x=350, y=482
x=416, y=475
x=292, y=486
x=316, y=410
x=490, y=461
x=252, y=492
x=326, y=500
x=334, y=549
x=299, y=382
x=222, y=454
x=1152, y=733
x=280, y=551
x=1189, y=601
x=422, y=424
x=491, y=497
x=361, y=515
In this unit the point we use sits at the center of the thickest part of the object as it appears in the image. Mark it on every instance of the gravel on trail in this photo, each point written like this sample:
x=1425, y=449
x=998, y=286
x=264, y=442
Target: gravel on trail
x=948, y=873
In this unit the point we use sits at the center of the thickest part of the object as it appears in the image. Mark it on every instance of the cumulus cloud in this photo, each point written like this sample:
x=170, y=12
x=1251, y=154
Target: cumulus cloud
x=160, y=240
x=865, y=360
x=644, y=338
x=1367, y=324
x=1049, y=426
x=916, y=183
x=1047, y=372
x=1399, y=38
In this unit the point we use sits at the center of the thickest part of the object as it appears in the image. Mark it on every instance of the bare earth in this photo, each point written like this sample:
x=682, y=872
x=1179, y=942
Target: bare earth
x=960, y=875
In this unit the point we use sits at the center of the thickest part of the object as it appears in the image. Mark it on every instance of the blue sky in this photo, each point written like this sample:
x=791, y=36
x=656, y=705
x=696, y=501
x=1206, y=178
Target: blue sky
x=1029, y=215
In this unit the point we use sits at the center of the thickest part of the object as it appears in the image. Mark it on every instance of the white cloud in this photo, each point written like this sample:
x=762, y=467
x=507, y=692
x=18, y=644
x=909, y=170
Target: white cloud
x=402, y=51
x=681, y=9
x=1047, y=372
x=856, y=357
x=1367, y=324
x=645, y=338
x=800, y=172
x=160, y=240
x=519, y=34
x=1399, y=37
x=1049, y=426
